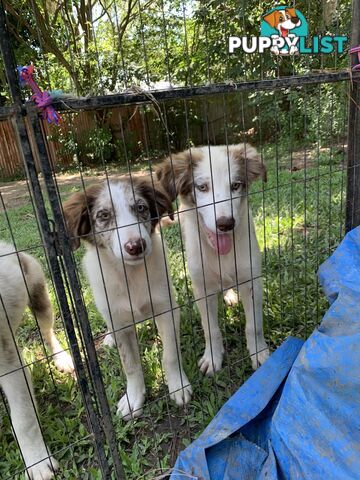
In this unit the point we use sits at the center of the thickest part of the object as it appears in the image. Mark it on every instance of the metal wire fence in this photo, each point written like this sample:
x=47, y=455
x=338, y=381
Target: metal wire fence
x=159, y=250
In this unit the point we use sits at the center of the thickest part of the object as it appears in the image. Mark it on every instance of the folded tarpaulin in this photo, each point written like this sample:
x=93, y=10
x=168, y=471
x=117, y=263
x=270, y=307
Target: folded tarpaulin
x=298, y=416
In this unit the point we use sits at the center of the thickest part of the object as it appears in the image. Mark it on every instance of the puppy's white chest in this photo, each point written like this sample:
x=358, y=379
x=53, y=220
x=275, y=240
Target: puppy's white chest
x=133, y=292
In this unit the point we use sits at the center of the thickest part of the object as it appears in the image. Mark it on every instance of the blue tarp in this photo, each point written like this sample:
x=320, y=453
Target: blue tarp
x=298, y=416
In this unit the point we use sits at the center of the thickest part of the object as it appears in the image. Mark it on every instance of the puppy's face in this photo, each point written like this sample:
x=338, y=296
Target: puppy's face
x=119, y=216
x=214, y=180
x=283, y=20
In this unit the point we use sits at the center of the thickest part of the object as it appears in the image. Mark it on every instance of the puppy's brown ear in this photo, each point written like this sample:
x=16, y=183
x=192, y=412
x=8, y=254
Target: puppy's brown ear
x=272, y=18
x=76, y=213
x=249, y=160
x=291, y=11
x=156, y=197
x=163, y=203
x=175, y=173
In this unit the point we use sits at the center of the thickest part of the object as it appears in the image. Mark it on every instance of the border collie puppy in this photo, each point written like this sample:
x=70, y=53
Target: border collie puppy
x=126, y=266
x=22, y=283
x=221, y=245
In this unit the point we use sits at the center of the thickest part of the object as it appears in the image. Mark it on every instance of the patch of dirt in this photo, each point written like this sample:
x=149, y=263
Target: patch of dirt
x=299, y=160
x=16, y=194
x=170, y=446
x=308, y=158
x=304, y=229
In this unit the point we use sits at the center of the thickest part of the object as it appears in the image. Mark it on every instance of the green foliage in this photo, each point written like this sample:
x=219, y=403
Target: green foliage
x=114, y=44
x=100, y=143
x=106, y=46
x=91, y=148
x=308, y=114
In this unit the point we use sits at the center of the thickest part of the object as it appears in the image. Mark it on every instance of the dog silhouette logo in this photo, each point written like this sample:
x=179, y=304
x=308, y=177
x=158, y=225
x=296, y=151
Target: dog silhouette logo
x=285, y=26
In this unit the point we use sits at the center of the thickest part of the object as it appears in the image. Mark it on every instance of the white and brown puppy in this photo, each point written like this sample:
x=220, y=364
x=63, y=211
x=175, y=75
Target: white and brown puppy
x=221, y=246
x=22, y=283
x=127, y=269
x=283, y=21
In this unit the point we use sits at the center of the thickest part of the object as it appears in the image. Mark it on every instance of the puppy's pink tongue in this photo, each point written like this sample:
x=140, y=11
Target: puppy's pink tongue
x=284, y=32
x=222, y=242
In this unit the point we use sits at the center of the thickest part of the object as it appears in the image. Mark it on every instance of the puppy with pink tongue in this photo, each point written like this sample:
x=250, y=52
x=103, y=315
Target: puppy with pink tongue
x=221, y=246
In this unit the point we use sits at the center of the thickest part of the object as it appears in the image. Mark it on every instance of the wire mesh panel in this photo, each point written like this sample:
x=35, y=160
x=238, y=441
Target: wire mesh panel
x=180, y=223
x=36, y=355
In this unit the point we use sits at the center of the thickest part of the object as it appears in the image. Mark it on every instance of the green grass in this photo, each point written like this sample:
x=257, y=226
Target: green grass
x=298, y=219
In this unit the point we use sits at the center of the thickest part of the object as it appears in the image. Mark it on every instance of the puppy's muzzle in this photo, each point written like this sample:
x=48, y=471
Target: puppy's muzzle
x=225, y=224
x=135, y=247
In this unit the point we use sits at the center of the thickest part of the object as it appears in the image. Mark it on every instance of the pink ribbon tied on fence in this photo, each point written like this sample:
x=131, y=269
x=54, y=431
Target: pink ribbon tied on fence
x=356, y=50
x=43, y=100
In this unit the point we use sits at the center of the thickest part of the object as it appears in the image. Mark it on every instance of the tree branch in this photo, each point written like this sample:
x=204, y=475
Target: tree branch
x=50, y=45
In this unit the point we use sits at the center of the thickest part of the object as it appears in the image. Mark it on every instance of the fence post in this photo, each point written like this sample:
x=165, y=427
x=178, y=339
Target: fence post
x=79, y=306
x=353, y=159
x=99, y=425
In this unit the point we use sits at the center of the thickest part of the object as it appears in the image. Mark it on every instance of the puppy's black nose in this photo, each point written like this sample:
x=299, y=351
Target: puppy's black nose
x=224, y=224
x=295, y=19
x=135, y=247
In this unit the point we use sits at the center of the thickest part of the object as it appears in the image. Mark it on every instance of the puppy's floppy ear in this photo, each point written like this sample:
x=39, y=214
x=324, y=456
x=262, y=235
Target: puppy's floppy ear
x=291, y=11
x=175, y=172
x=76, y=213
x=249, y=160
x=272, y=18
x=163, y=203
x=157, y=198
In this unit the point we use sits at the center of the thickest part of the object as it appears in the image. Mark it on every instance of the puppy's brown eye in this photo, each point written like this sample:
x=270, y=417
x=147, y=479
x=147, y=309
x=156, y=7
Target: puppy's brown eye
x=141, y=208
x=103, y=215
x=235, y=186
x=281, y=19
x=203, y=187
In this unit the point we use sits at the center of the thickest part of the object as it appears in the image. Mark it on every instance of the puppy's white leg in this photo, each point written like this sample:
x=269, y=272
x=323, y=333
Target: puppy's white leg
x=62, y=359
x=168, y=326
x=17, y=388
x=251, y=295
x=130, y=405
x=212, y=359
x=42, y=310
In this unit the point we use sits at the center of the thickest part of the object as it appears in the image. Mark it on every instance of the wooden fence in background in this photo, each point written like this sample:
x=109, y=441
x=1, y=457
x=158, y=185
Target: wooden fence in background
x=10, y=158
x=11, y=164
x=135, y=129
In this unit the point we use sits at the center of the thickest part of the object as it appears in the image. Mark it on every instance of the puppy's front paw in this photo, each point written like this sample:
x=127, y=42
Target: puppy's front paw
x=211, y=361
x=180, y=391
x=130, y=406
x=109, y=340
x=231, y=297
x=44, y=470
x=64, y=363
x=259, y=358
